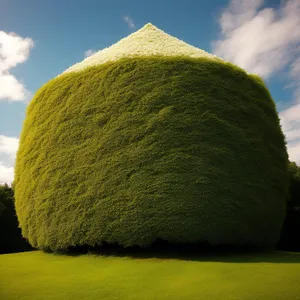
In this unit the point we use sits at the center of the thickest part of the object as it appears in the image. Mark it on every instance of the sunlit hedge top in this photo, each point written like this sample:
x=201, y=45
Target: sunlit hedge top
x=147, y=41
x=177, y=148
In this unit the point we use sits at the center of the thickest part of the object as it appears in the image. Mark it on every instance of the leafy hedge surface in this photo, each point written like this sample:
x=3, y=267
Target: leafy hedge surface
x=181, y=149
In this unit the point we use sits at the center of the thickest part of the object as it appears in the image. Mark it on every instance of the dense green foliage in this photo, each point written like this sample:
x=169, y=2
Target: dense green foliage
x=36, y=275
x=184, y=150
x=10, y=235
x=294, y=173
x=290, y=236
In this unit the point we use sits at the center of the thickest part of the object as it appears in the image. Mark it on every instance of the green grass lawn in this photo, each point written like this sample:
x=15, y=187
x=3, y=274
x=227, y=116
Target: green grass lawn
x=41, y=276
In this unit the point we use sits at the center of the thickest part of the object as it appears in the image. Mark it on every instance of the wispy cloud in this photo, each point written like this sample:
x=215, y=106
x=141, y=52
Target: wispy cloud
x=263, y=41
x=266, y=41
x=8, y=150
x=129, y=22
x=290, y=122
x=14, y=50
x=9, y=145
x=6, y=174
x=89, y=52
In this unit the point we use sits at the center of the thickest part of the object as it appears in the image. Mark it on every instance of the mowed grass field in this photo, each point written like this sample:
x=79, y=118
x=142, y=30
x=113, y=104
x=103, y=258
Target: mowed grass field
x=41, y=276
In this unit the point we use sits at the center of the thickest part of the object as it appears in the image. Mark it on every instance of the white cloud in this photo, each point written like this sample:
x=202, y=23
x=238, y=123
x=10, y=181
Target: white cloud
x=14, y=50
x=290, y=121
x=129, y=22
x=11, y=88
x=294, y=152
x=8, y=150
x=295, y=78
x=9, y=145
x=266, y=41
x=262, y=41
x=89, y=52
x=238, y=13
x=6, y=174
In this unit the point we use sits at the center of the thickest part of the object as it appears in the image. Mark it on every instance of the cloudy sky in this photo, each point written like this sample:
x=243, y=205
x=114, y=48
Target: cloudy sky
x=40, y=39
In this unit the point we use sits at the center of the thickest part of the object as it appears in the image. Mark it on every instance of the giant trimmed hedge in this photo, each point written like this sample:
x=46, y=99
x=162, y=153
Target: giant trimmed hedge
x=180, y=149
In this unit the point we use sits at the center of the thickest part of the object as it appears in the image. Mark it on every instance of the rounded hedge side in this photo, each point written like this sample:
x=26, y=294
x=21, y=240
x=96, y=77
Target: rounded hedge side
x=180, y=149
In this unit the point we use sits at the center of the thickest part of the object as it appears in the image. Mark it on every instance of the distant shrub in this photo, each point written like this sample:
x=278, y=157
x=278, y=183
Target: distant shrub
x=294, y=174
x=290, y=236
x=178, y=149
x=10, y=235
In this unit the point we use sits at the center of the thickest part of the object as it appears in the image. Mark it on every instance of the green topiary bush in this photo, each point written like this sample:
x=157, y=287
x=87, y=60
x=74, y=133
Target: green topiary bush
x=180, y=149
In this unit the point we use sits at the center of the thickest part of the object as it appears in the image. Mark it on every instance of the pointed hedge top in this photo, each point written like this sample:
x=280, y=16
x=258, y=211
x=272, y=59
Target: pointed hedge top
x=147, y=41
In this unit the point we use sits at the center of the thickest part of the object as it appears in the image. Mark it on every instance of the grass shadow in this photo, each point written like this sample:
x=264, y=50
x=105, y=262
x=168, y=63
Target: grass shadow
x=191, y=252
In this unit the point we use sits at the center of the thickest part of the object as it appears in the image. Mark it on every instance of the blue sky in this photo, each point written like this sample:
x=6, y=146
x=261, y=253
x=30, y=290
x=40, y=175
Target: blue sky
x=261, y=36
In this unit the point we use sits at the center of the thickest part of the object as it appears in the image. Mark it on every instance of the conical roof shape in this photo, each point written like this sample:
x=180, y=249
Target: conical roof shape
x=148, y=41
